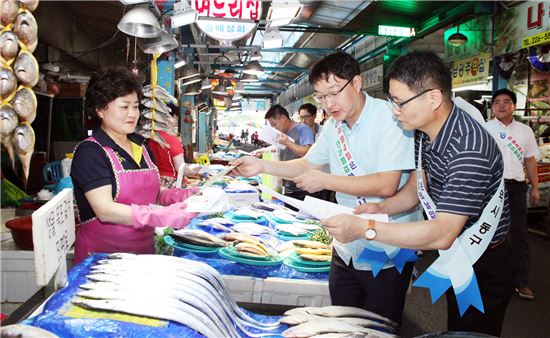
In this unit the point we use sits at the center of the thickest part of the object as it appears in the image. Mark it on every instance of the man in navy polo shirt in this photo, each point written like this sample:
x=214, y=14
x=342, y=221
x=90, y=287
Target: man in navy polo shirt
x=460, y=172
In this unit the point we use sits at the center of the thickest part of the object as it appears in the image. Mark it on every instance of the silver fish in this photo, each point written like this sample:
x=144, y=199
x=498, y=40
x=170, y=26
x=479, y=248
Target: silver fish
x=159, y=93
x=8, y=123
x=156, y=137
x=9, y=46
x=23, y=143
x=326, y=325
x=25, y=331
x=26, y=69
x=26, y=29
x=160, y=117
x=159, y=105
x=148, y=126
x=198, y=237
x=29, y=4
x=8, y=83
x=9, y=11
x=341, y=311
x=252, y=228
x=24, y=103
x=215, y=225
x=153, y=310
x=302, y=318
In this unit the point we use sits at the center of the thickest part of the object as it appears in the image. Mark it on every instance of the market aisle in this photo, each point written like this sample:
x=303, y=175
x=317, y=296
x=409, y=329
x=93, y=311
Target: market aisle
x=523, y=318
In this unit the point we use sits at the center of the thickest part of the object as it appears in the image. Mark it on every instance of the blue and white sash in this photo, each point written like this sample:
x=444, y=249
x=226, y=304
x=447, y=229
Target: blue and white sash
x=375, y=254
x=501, y=135
x=454, y=267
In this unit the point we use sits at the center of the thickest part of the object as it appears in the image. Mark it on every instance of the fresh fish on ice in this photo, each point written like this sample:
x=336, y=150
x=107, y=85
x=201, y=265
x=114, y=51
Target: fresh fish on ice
x=25, y=69
x=24, y=103
x=291, y=229
x=326, y=325
x=198, y=237
x=151, y=310
x=252, y=228
x=284, y=216
x=302, y=318
x=341, y=311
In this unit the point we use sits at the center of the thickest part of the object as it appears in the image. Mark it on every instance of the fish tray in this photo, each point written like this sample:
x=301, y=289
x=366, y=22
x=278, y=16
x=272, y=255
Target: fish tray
x=230, y=253
x=303, y=268
x=189, y=247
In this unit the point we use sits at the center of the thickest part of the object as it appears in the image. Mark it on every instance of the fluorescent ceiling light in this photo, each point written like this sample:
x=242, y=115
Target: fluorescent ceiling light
x=281, y=12
x=190, y=80
x=140, y=22
x=272, y=39
x=183, y=14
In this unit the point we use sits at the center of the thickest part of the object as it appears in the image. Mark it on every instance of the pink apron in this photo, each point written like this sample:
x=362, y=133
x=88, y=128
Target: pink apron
x=135, y=186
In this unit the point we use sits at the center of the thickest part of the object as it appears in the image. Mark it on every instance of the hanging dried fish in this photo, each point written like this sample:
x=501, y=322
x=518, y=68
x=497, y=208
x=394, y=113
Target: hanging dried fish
x=29, y=4
x=9, y=11
x=26, y=69
x=23, y=142
x=9, y=46
x=24, y=103
x=8, y=83
x=26, y=29
x=8, y=123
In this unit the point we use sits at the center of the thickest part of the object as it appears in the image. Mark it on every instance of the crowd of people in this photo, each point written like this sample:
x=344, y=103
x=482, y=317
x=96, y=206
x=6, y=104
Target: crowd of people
x=378, y=156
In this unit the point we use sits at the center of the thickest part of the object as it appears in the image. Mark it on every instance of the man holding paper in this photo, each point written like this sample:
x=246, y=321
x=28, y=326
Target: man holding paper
x=293, y=140
x=460, y=185
x=367, y=153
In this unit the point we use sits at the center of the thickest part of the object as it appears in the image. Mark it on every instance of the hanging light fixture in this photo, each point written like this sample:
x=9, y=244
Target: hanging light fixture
x=140, y=22
x=249, y=78
x=254, y=68
x=272, y=39
x=160, y=44
x=457, y=39
x=193, y=89
x=283, y=12
x=183, y=14
x=189, y=71
x=220, y=89
x=206, y=84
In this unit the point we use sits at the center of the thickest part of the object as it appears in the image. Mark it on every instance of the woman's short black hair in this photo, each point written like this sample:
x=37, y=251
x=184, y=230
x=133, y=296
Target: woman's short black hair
x=339, y=64
x=106, y=86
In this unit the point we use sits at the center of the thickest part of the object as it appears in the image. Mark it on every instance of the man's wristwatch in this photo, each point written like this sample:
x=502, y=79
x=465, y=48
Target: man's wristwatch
x=370, y=233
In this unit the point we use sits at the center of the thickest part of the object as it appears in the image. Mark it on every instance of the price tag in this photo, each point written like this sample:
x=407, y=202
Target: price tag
x=53, y=231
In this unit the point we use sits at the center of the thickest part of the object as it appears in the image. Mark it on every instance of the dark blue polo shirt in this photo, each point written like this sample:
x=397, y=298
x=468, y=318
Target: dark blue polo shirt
x=463, y=168
x=92, y=169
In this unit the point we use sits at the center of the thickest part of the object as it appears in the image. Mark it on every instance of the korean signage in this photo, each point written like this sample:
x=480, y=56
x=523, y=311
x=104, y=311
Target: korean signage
x=53, y=233
x=232, y=14
x=525, y=25
x=470, y=70
x=373, y=77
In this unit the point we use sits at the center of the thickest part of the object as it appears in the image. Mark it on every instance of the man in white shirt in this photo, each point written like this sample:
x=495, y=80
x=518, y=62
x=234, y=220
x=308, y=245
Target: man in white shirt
x=519, y=148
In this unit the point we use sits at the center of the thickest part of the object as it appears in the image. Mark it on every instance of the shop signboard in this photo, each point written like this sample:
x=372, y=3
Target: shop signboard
x=522, y=26
x=472, y=70
x=478, y=32
x=372, y=78
x=227, y=20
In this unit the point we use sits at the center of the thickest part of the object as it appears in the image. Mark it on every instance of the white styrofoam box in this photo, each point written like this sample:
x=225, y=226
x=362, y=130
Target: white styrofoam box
x=295, y=292
x=241, y=287
x=18, y=274
x=243, y=199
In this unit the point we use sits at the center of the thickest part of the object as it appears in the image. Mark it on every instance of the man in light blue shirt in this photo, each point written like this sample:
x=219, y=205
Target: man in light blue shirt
x=369, y=157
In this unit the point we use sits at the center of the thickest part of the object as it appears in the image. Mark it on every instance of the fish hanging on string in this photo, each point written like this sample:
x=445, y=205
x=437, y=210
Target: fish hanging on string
x=24, y=103
x=8, y=123
x=26, y=69
x=23, y=142
x=26, y=29
x=9, y=46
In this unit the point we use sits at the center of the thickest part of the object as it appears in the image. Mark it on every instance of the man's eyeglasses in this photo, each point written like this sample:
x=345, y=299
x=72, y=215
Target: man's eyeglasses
x=323, y=98
x=398, y=106
x=497, y=102
x=304, y=117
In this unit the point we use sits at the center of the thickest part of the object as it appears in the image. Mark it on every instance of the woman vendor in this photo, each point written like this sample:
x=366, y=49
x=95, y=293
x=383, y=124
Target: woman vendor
x=114, y=176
